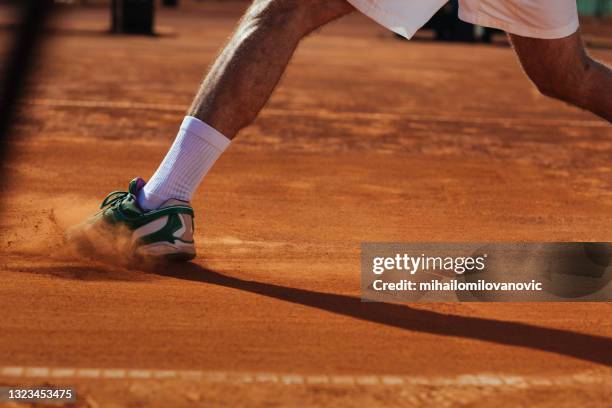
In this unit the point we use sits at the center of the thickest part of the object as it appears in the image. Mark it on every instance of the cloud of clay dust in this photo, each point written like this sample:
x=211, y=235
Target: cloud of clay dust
x=56, y=230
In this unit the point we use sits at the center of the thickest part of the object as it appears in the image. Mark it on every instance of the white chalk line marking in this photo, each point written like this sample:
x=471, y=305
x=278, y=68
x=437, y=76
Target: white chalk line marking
x=480, y=379
x=326, y=114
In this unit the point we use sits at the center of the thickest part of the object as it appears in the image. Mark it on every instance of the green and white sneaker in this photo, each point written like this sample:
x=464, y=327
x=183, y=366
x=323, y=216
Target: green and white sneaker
x=162, y=234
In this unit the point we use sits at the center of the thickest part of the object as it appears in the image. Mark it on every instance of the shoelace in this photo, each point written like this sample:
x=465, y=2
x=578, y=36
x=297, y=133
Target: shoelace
x=114, y=198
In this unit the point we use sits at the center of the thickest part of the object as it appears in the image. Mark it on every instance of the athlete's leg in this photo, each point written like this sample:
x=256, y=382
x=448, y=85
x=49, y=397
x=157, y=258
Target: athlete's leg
x=234, y=91
x=251, y=64
x=562, y=69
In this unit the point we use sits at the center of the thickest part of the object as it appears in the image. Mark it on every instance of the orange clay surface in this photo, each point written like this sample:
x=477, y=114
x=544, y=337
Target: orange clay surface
x=368, y=138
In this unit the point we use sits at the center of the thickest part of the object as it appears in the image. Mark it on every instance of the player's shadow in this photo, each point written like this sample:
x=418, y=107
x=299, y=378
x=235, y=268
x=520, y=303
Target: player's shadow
x=597, y=349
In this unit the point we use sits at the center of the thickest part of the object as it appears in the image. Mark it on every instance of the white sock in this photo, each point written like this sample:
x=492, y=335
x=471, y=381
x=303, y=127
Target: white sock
x=194, y=151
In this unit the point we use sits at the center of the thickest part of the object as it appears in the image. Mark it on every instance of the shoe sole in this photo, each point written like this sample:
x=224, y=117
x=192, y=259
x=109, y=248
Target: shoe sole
x=88, y=239
x=167, y=251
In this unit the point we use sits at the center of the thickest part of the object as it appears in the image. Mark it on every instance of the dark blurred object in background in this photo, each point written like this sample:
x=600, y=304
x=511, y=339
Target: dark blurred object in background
x=595, y=8
x=170, y=3
x=15, y=67
x=448, y=27
x=132, y=16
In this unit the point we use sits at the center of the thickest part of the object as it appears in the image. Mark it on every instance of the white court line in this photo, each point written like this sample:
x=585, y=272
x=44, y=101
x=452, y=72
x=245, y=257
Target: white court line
x=505, y=121
x=603, y=378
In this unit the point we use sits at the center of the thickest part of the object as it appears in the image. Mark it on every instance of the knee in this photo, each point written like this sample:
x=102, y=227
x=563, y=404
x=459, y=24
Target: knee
x=545, y=85
x=297, y=16
x=566, y=82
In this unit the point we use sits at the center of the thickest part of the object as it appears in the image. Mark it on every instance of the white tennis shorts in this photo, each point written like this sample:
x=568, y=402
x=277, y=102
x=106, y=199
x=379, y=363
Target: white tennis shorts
x=545, y=19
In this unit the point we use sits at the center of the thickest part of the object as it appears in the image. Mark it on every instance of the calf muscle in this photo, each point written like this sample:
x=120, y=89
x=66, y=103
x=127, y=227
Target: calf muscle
x=250, y=66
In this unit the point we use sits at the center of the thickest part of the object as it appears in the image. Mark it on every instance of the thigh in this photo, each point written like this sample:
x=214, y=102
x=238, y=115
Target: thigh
x=327, y=10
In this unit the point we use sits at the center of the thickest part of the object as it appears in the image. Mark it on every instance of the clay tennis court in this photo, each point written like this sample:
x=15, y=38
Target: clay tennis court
x=368, y=138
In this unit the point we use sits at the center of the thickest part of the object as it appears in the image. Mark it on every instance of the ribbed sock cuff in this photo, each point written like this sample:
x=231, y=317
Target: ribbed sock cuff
x=210, y=134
